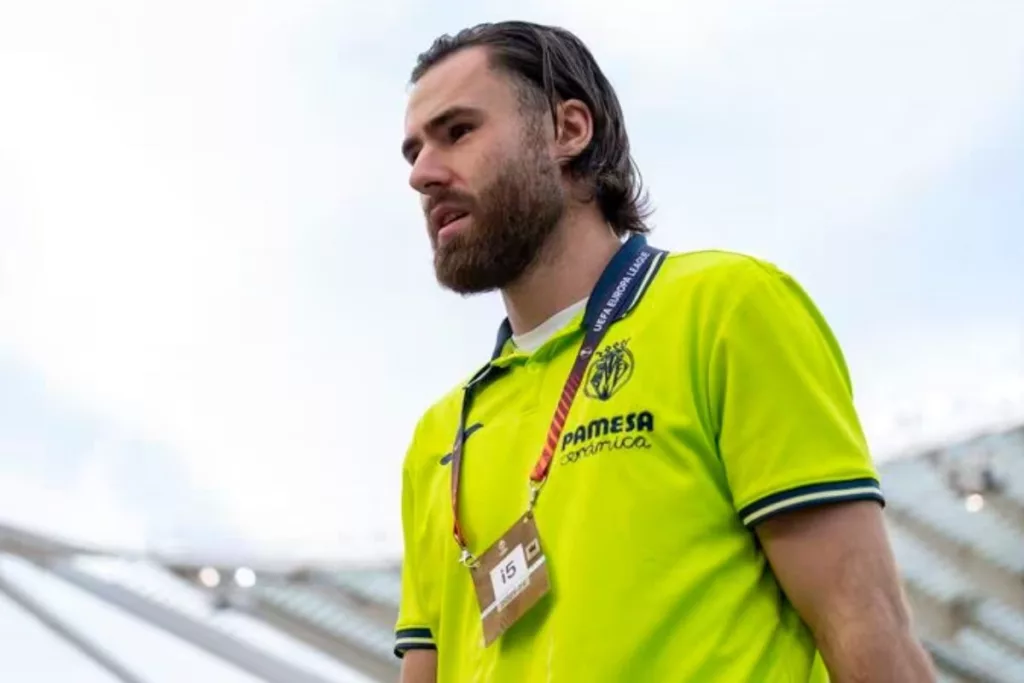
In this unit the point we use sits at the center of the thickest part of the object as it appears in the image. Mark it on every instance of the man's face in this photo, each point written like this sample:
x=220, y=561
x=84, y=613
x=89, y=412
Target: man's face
x=491, y=192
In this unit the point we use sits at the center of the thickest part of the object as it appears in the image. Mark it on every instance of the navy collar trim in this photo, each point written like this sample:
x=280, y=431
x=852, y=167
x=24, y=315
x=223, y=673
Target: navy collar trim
x=608, y=280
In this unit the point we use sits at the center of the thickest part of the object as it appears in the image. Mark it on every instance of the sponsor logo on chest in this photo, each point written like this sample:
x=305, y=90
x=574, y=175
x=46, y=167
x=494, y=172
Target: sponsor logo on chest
x=628, y=431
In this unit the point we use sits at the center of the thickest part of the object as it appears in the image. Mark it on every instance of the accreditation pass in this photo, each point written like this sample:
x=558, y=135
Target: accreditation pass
x=510, y=578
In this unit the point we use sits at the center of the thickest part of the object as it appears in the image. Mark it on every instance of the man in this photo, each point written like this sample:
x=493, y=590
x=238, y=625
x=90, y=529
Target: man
x=659, y=475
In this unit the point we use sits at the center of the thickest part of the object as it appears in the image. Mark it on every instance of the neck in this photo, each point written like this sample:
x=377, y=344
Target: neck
x=565, y=272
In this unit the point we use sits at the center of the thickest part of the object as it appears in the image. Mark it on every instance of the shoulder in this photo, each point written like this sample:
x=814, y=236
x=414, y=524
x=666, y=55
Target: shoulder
x=709, y=285
x=720, y=296
x=714, y=270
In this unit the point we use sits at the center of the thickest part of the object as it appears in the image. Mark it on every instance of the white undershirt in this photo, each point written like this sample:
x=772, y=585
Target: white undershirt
x=535, y=338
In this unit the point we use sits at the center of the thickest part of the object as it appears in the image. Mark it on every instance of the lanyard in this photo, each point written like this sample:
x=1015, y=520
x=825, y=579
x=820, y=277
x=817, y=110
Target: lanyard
x=609, y=309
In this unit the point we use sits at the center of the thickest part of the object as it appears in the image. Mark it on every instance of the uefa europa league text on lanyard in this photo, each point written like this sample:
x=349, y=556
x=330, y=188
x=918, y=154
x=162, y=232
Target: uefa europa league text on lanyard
x=510, y=577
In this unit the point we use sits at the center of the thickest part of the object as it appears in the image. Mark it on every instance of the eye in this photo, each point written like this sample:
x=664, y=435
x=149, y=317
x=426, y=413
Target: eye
x=458, y=130
x=411, y=151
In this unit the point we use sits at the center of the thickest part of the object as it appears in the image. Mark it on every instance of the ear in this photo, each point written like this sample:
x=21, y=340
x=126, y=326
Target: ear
x=574, y=132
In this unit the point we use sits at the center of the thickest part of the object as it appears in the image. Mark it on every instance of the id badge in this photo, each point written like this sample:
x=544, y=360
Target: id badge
x=510, y=578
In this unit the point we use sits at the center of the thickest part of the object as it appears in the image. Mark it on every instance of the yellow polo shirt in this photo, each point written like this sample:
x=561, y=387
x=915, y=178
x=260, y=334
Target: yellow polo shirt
x=719, y=399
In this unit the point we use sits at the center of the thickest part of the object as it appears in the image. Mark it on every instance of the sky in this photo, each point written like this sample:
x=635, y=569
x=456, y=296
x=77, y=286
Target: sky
x=218, y=319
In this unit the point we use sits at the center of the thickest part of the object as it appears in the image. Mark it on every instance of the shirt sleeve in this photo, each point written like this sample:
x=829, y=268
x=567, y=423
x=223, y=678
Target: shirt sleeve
x=412, y=630
x=787, y=430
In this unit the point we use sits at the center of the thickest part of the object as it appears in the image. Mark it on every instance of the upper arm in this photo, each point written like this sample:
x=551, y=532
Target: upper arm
x=786, y=428
x=835, y=566
x=419, y=666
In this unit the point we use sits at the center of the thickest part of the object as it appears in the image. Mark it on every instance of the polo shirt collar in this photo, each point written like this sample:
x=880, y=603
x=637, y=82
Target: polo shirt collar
x=607, y=282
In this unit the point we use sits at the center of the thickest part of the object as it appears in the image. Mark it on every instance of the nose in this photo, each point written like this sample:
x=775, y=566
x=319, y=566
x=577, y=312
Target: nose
x=429, y=172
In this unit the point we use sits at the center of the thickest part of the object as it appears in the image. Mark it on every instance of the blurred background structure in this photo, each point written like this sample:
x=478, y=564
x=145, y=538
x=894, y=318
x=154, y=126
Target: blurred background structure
x=70, y=613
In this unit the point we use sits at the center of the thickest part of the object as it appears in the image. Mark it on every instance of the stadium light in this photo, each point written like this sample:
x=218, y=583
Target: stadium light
x=245, y=577
x=974, y=502
x=209, y=577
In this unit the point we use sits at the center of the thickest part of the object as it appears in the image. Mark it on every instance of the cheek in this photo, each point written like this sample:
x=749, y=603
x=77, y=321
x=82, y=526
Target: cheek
x=467, y=172
x=479, y=164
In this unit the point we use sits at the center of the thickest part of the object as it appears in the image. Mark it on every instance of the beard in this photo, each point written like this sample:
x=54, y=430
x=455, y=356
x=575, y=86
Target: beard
x=512, y=220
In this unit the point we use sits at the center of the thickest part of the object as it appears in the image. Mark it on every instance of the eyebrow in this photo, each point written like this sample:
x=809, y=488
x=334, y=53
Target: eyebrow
x=439, y=121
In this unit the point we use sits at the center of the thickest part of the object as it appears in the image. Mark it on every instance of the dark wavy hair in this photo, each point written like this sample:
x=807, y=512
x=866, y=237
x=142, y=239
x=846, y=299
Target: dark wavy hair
x=549, y=65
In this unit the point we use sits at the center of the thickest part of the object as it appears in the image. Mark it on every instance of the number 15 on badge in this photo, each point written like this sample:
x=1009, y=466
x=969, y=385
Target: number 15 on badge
x=510, y=578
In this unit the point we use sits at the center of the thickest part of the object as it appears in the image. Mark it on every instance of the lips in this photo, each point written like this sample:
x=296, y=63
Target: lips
x=451, y=216
x=444, y=215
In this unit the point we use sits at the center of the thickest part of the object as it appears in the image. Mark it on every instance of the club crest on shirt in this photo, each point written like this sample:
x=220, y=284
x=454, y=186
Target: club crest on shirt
x=609, y=371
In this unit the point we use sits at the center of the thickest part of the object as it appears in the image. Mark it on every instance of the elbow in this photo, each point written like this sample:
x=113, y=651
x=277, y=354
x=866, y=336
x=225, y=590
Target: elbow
x=867, y=655
x=876, y=643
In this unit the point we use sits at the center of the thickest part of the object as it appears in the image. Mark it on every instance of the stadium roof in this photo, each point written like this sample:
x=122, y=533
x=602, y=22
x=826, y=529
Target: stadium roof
x=955, y=515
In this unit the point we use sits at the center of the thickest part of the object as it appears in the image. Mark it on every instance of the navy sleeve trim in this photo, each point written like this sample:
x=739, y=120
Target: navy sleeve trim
x=413, y=639
x=808, y=496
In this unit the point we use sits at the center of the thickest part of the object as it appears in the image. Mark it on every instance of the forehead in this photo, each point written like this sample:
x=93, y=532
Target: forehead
x=462, y=80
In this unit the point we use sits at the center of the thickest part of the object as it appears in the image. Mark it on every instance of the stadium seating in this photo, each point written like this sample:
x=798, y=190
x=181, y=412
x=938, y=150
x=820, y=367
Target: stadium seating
x=955, y=518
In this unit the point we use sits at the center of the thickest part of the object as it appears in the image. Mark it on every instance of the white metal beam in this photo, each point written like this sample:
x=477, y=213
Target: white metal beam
x=68, y=633
x=213, y=641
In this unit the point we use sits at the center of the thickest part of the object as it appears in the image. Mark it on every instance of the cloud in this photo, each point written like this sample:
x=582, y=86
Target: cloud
x=88, y=512
x=207, y=240
x=960, y=380
x=167, y=180
x=787, y=119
